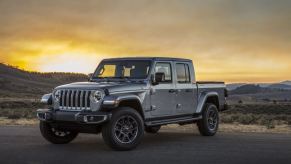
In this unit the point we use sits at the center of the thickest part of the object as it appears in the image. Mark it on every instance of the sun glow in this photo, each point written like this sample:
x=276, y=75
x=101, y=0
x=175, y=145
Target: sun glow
x=69, y=62
x=238, y=42
x=63, y=56
x=55, y=56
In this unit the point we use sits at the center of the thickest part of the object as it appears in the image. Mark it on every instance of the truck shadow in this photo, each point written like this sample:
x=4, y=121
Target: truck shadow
x=95, y=143
x=166, y=137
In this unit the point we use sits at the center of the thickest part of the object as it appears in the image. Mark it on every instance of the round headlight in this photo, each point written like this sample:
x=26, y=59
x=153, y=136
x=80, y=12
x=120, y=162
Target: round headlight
x=97, y=96
x=57, y=95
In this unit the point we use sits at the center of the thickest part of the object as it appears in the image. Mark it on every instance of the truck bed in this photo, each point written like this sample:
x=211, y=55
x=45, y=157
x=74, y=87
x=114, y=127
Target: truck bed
x=212, y=86
x=210, y=82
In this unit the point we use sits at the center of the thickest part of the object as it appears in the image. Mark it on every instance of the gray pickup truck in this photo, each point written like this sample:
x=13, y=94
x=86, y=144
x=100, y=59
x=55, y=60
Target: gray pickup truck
x=127, y=96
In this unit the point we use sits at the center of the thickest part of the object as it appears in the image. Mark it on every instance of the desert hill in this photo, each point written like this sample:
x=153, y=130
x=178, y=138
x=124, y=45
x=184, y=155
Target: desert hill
x=15, y=82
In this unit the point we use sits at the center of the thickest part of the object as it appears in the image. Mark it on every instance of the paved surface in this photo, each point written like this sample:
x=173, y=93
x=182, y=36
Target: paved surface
x=25, y=145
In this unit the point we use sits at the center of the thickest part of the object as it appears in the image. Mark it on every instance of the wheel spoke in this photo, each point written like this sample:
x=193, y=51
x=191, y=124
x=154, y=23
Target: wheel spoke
x=118, y=124
x=60, y=133
x=212, y=119
x=119, y=135
x=127, y=137
x=117, y=130
x=215, y=121
x=126, y=129
x=123, y=137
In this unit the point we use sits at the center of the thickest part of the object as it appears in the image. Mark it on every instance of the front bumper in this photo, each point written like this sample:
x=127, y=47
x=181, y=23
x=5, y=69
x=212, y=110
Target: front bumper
x=84, y=117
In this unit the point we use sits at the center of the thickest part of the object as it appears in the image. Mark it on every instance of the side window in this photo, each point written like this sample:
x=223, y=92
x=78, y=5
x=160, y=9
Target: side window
x=183, y=75
x=166, y=69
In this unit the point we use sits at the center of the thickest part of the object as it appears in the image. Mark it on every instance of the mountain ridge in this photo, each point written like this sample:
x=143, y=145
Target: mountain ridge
x=279, y=85
x=15, y=82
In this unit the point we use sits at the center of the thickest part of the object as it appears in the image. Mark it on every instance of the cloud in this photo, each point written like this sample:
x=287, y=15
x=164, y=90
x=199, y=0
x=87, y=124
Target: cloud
x=250, y=36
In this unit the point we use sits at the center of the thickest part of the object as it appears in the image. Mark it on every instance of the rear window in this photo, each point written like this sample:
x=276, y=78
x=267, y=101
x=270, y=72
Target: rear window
x=183, y=75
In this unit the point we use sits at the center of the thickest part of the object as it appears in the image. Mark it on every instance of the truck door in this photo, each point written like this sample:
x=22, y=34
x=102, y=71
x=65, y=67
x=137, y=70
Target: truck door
x=186, y=91
x=163, y=95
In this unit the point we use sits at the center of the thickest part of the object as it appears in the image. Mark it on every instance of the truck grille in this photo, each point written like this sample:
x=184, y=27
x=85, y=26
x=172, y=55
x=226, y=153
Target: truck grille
x=74, y=100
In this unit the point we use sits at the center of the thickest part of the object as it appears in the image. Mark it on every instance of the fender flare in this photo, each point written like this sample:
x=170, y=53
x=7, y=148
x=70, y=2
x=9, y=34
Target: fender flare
x=114, y=101
x=202, y=100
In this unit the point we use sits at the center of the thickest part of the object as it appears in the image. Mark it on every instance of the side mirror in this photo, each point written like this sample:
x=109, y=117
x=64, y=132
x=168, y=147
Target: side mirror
x=159, y=77
x=90, y=76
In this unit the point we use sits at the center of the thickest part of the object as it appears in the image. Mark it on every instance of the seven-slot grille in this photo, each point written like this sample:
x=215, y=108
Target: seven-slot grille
x=74, y=99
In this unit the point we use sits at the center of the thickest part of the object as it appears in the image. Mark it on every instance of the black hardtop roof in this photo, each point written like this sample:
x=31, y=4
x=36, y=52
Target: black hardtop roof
x=151, y=58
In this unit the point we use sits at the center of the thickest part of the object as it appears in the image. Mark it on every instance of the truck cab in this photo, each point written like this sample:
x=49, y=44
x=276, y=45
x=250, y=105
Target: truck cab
x=126, y=96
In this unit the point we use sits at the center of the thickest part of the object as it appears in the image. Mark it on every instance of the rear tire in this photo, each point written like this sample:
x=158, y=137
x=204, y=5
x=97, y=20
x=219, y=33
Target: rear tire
x=209, y=123
x=56, y=136
x=152, y=129
x=125, y=129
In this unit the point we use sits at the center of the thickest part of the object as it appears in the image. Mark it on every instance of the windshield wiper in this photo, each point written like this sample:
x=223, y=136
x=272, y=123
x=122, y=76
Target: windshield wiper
x=122, y=77
x=101, y=78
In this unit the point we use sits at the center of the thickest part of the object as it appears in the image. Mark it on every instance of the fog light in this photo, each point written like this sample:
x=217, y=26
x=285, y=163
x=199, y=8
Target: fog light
x=44, y=116
x=85, y=119
x=91, y=118
x=94, y=118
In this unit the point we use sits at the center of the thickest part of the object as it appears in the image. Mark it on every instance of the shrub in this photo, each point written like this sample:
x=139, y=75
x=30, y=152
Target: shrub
x=13, y=116
x=270, y=124
x=247, y=119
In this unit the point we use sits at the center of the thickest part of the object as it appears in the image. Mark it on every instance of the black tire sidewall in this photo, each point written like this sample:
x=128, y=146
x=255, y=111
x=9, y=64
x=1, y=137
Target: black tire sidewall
x=47, y=133
x=203, y=124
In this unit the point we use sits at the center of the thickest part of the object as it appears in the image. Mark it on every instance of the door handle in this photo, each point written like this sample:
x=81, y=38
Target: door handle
x=172, y=91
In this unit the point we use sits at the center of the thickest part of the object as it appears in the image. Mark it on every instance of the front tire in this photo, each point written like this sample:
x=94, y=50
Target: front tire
x=125, y=129
x=208, y=125
x=56, y=136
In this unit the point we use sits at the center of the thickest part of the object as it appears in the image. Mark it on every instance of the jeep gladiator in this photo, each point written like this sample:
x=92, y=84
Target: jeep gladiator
x=126, y=96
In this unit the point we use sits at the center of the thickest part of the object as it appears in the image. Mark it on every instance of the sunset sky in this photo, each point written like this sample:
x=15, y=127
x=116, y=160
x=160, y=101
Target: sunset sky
x=228, y=40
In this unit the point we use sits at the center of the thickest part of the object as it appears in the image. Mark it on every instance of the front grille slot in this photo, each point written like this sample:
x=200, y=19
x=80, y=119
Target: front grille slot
x=74, y=99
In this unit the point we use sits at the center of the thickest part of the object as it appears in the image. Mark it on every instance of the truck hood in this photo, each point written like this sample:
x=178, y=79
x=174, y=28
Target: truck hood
x=111, y=86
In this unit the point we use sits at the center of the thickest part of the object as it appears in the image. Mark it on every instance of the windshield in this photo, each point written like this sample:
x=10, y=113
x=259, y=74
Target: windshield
x=131, y=69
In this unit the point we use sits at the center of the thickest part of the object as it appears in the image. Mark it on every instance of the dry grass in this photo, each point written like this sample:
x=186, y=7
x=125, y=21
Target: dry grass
x=268, y=115
x=255, y=128
x=22, y=121
x=270, y=118
x=230, y=128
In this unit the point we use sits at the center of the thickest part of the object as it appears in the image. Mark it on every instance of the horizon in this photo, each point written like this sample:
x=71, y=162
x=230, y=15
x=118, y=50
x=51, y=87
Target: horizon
x=255, y=83
x=232, y=41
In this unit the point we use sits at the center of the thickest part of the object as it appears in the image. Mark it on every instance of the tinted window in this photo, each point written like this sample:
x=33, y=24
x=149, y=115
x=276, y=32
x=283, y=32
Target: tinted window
x=123, y=69
x=183, y=75
x=108, y=70
x=166, y=69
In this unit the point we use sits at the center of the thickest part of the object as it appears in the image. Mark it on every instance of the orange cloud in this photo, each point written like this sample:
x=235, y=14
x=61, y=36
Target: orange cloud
x=233, y=41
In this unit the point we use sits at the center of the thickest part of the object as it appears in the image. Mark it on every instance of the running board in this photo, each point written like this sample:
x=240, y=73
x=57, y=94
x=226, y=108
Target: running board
x=173, y=120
